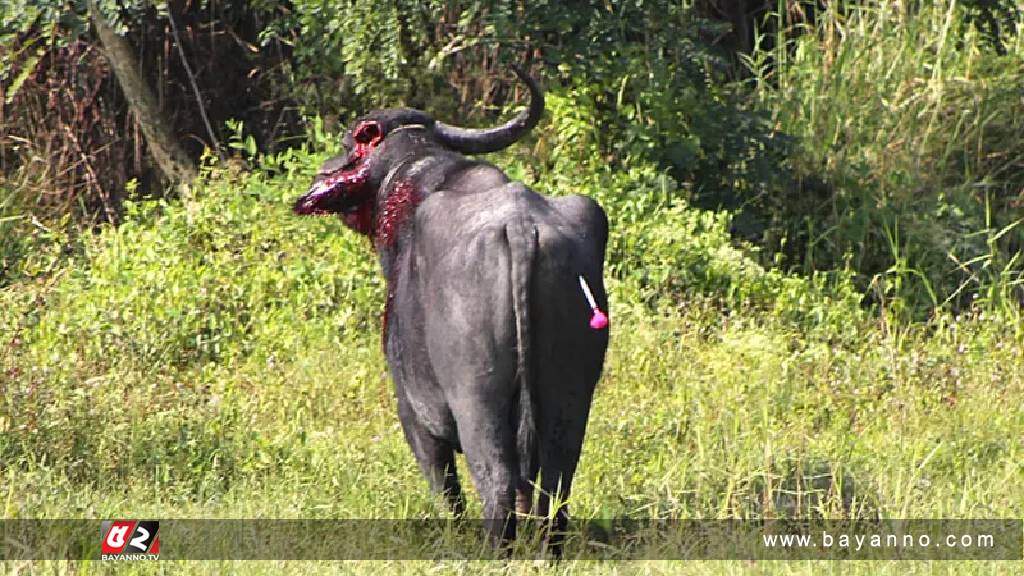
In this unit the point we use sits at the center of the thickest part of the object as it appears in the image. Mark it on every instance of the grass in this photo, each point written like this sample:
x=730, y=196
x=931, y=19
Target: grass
x=697, y=416
x=265, y=395
x=909, y=144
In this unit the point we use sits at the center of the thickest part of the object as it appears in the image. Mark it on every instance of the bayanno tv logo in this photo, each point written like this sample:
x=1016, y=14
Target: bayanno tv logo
x=130, y=540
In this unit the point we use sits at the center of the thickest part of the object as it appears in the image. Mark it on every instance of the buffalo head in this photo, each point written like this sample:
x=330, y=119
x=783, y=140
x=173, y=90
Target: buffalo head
x=348, y=184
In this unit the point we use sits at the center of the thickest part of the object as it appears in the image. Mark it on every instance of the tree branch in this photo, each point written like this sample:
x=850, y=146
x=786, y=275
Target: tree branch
x=170, y=157
x=195, y=86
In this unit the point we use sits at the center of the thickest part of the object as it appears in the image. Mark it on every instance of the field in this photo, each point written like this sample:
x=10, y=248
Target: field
x=286, y=411
x=815, y=275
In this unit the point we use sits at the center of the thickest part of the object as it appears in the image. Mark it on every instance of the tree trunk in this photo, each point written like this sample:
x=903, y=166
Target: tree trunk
x=170, y=157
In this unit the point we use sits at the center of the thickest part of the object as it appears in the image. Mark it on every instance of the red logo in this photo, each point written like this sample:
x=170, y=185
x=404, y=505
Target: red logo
x=130, y=540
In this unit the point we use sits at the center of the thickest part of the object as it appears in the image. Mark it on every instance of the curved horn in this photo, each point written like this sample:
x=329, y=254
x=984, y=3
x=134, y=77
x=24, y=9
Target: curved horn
x=483, y=140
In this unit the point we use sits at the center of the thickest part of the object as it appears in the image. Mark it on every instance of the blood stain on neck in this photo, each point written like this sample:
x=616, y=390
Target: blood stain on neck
x=398, y=207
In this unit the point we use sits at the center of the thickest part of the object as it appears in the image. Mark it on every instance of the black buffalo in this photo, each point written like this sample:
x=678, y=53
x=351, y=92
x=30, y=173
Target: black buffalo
x=486, y=326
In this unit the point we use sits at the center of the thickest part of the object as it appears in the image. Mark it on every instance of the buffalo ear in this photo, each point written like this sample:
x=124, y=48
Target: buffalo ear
x=368, y=133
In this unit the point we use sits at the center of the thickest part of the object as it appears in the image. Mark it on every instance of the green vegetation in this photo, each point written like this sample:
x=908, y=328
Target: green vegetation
x=910, y=151
x=815, y=280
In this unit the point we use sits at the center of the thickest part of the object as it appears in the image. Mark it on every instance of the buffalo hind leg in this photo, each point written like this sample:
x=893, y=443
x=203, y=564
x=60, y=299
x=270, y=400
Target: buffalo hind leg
x=488, y=443
x=443, y=478
x=559, y=447
x=553, y=494
x=524, y=497
x=436, y=458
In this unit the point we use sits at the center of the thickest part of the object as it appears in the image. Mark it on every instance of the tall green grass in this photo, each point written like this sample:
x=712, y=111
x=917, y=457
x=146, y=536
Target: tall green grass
x=910, y=155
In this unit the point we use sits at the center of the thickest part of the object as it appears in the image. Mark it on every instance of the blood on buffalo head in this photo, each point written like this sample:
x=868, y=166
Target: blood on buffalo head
x=347, y=184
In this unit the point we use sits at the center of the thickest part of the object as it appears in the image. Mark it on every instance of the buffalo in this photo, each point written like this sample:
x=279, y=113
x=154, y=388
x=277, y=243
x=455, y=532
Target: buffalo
x=494, y=329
